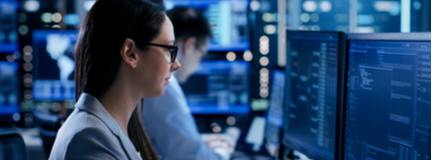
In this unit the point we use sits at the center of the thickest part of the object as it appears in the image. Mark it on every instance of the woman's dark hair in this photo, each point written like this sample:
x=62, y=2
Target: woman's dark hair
x=189, y=22
x=102, y=34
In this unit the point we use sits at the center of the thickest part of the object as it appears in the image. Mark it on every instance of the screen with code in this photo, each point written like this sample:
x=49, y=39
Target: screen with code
x=311, y=108
x=388, y=100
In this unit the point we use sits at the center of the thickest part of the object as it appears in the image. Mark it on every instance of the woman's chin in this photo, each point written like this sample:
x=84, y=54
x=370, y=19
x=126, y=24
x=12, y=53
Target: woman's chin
x=160, y=92
x=156, y=92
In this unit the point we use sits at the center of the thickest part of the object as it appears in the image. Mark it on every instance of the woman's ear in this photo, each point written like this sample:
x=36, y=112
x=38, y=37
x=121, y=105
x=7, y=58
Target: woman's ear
x=128, y=54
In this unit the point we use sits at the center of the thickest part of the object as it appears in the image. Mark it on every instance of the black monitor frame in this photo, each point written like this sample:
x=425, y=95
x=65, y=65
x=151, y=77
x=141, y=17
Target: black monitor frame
x=339, y=105
x=414, y=37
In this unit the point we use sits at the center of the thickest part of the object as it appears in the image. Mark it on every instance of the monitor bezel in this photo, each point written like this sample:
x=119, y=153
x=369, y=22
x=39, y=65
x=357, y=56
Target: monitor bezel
x=340, y=89
x=414, y=36
x=390, y=37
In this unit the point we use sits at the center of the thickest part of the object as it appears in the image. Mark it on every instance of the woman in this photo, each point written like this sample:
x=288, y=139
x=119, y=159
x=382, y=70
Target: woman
x=124, y=53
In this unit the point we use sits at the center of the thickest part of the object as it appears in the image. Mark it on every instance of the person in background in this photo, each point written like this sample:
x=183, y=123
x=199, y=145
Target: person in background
x=167, y=119
x=125, y=52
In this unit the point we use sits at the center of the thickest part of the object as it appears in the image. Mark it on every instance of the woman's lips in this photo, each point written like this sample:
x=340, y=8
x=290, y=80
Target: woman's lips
x=167, y=80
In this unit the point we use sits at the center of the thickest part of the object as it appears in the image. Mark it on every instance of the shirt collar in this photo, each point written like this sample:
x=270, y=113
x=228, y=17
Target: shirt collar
x=92, y=105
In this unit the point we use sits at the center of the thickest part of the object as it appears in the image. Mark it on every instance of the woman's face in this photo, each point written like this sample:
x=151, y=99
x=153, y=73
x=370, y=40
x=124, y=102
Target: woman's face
x=155, y=67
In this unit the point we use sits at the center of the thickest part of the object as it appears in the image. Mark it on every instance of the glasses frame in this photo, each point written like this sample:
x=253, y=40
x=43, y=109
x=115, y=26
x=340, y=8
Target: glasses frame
x=172, y=49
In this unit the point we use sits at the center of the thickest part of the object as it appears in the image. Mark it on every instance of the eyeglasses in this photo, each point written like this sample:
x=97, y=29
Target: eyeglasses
x=171, y=49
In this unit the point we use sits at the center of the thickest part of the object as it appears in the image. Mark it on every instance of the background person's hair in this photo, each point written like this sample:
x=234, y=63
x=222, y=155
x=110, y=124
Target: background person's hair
x=102, y=34
x=189, y=22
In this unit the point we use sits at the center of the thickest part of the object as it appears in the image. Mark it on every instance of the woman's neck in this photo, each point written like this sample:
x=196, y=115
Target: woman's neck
x=120, y=102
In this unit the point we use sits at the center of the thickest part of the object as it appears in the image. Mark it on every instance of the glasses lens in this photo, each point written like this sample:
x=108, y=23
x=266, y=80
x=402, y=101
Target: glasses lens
x=174, y=54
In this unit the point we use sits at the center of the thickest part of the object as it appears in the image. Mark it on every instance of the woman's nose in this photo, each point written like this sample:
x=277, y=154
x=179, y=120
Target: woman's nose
x=176, y=65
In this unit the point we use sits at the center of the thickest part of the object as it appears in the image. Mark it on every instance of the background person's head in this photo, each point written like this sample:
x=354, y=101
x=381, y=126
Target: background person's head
x=192, y=33
x=115, y=46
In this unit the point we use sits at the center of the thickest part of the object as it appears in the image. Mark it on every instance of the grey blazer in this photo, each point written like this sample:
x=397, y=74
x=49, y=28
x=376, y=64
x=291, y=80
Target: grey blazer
x=91, y=132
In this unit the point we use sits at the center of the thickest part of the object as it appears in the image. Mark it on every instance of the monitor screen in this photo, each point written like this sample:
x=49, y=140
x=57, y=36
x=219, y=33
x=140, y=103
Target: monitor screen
x=8, y=26
x=230, y=32
x=388, y=100
x=218, y=87
x=9, y=87
x=54, y=65
x=311, y=92
x=274, y=117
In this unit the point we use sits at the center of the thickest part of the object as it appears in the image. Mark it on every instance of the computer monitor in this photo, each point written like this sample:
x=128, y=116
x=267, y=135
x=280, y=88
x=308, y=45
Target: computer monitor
x=54, y=64
x=313, y=84
x=218, y=87
x=274, y=117
x=9, y=88
x=9, y=26
x=388, y=97
x=231, y=30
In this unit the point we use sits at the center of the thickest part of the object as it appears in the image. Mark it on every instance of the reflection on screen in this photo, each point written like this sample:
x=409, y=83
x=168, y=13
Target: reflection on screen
x=218, y=87
x=54, y=65
x=312, y=92
x=230, y=16
x=275, y=112
x=8, y=87
x=8, y=26
x=388, y=101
